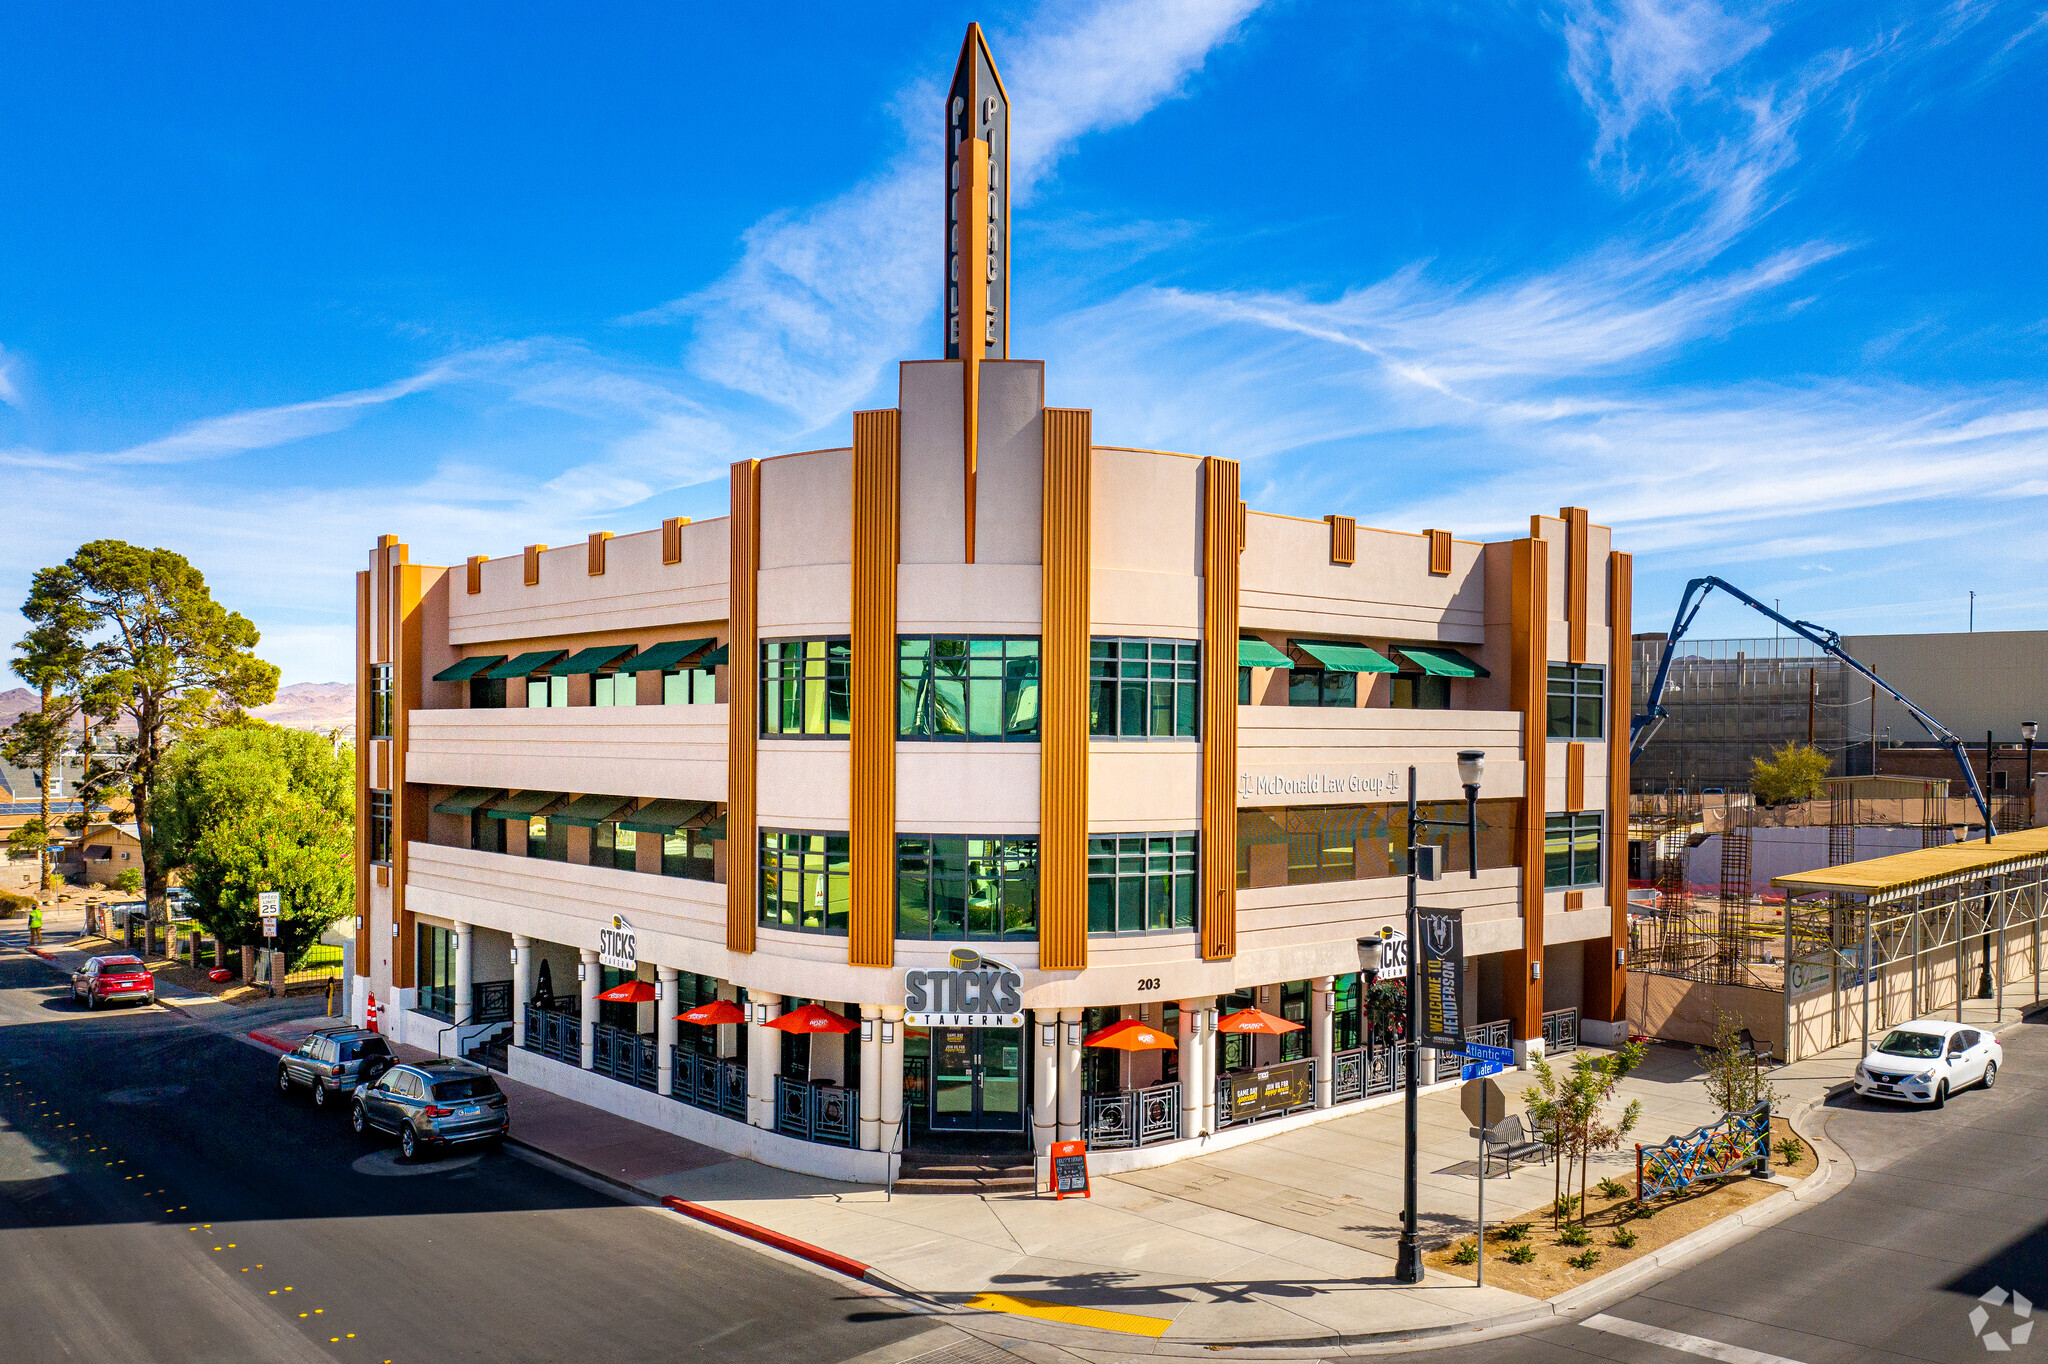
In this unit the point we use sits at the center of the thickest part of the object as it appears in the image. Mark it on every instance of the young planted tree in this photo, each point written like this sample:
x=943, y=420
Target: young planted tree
x=50, y=658
x=162, y=653
x=1569, y=1112
x=1734, y=1080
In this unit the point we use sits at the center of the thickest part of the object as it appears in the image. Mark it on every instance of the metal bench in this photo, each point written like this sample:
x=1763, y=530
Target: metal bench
x=1510, y=1140
x=1759, y=1052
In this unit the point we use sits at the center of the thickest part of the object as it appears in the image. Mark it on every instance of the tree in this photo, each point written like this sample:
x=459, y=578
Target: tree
x=293, y=846
x=242, y=764
x=50, y=658
x=1734, y=1079
x=164, y=654
x=31, y=837
x=1567, y=1112
x=1794, y=772
x=129, y=881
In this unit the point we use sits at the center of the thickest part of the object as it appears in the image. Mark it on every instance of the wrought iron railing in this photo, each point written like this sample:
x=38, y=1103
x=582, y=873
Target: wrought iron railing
x=719, y=1086
x=624, y=1055
x=491, y=1001
x=554, y=1034
x=1494, y=1034
x=823, y=1113
x=1131, y=1117
x=1560, y=1031
x=1354, y=1076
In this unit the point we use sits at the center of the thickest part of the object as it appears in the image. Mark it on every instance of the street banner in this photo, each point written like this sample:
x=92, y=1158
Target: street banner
x=1440, y=960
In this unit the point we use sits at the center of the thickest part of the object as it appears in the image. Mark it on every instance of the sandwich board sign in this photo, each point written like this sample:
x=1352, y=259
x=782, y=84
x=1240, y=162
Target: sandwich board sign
x=1070, y=1170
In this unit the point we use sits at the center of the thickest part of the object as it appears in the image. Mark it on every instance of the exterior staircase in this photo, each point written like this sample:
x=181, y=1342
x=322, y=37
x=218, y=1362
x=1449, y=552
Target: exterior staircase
x=492, y=1049
x=971, y=1172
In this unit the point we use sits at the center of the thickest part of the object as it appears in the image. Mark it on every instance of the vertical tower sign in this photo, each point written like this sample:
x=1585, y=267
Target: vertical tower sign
x=977, y=206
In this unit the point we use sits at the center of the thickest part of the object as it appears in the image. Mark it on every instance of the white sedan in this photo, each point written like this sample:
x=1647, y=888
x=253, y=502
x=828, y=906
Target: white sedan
x=1925, y=1061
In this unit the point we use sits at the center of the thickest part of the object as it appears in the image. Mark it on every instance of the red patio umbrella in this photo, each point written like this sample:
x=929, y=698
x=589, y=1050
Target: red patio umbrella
x=813, y=1018
x=1131, y=1035
x=1255, y=1020
x=630, y=992
x=717, y=1013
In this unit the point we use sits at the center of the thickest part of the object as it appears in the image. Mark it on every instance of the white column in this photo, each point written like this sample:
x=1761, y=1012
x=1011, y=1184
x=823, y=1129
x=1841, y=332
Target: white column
x=463, y=945
x=764, y=1058
x=522, y=986
x=1209, y=1066
x=871, y=1077
x=1070, y=1075
x=665, y=1029
x=588, y=979
x=1322, y=1015
x=728, y=1033
x=890, y=1065
x=1045, y=1078
x=1189, y=1041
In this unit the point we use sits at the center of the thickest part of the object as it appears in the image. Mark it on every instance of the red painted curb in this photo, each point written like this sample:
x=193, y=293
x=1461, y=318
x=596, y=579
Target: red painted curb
x=269, y=1041
x=853, y=1269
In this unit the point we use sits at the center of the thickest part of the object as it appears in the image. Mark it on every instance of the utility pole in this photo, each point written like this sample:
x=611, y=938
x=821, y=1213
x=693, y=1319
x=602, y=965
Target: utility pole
x=1973, y=613
x=1812, y=698
x=1873, y=729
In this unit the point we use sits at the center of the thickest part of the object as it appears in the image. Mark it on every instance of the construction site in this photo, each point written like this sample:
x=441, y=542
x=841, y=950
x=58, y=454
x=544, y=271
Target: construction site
x=1813, y=923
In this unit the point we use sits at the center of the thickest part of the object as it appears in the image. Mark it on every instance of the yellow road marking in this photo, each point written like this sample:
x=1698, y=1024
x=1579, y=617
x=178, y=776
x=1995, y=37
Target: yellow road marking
x=1129, y=1323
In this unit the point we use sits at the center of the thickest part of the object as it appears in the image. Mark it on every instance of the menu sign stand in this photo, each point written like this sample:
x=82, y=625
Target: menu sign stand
x=1070, y=1169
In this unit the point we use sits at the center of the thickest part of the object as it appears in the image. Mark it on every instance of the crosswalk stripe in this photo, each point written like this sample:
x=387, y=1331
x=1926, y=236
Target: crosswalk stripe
x=1679, y=1340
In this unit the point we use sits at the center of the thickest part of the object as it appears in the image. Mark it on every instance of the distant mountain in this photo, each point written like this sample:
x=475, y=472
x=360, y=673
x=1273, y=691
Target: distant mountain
x=321, y=706
x=318, y=706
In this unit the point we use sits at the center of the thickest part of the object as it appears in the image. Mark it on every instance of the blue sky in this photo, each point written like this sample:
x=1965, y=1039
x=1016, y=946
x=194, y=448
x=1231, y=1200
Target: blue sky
x=1761, y=286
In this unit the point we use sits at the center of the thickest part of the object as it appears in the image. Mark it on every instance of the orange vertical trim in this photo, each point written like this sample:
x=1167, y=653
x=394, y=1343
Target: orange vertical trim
x=1343, y=539
x=362, y=774
x=1606, y=971
x=1529, y=672
x=672, y=539
x=877, y=509
x=408, y=816
x=1221, y=546
x=973, y=219
x=1439, y=553
x=476, y=573
x=1578, y=570
x=743, y=703
x=533, y=564
x=1063, y=692
x=597, y=544
x=1575, y=776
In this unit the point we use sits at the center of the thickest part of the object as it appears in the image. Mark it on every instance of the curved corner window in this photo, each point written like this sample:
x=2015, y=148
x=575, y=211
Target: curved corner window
x=982, y=689
x=804, y=687
x=1143, y=688
x=1141, y=883
x=963, y=886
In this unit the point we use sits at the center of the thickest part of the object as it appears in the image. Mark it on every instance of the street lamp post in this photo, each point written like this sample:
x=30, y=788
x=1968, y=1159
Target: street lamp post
x=1471, y=767
x=2028, y=729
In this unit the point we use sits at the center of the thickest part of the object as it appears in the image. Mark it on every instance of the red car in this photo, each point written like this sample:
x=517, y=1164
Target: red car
x=110, y=980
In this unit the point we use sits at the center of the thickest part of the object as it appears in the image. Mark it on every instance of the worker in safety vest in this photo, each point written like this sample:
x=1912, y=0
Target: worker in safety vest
x=35, y=924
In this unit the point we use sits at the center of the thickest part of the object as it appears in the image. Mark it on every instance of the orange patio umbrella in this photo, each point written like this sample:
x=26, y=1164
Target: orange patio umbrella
x=716, y=1014
x=1131, y=1035
x=813, y=1018
x=1255, y=1020
x=630, y=992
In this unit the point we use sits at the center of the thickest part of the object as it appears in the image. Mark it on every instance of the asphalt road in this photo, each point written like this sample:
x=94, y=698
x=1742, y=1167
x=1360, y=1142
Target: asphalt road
x=1945, y=1206
x=160, y=1202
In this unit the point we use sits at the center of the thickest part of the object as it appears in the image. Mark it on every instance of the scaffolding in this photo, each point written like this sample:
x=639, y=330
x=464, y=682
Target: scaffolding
x=1911, y=936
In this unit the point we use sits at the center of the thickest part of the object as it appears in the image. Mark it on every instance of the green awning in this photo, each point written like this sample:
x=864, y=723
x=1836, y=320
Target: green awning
x=522, y=804
x=526, y=664
x=713, y=659
x=466, y=801
x=664, y=816
x=589, y=660
x=715, y=829
x=1346, y=658
x=1441, y=662
x=1256, y=653
x=468, y=668
x=663, y=656
x=587, y=812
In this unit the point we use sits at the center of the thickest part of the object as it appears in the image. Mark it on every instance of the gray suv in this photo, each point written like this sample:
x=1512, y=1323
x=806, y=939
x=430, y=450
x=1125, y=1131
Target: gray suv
x=432, y=1104
x=334, y=1063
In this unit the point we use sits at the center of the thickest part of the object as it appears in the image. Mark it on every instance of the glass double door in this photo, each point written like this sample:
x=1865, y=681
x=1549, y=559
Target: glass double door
x=977, y=1079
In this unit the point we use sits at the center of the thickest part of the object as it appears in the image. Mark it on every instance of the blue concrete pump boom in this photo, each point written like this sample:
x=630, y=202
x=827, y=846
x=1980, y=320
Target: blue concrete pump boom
x=1644, y=726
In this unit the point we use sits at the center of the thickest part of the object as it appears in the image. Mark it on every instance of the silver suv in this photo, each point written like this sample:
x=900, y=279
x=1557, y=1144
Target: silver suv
x=432, y=1104
x=334, y=1063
